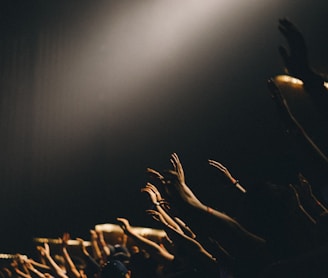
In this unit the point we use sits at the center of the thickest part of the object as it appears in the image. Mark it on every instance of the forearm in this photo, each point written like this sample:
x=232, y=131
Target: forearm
x=55, y=267
x=40, y=265
x=167, y=217
x=104, y=248
x=152, y=248
x=95, y=249
x=22, y=274
x=233, y=237
x=71, y=266
x=37, y=273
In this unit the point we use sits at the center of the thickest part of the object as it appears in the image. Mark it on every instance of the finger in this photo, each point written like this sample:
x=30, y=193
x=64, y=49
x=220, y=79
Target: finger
x=176, y=157
x=151, y=211
x=151, y=186
x=173, y=164
x=217, y=165
x=144, y=189
x=155, y=173
x=177, y=161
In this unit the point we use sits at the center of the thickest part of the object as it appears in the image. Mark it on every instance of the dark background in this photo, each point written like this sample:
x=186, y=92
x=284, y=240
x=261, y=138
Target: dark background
x=93, y=92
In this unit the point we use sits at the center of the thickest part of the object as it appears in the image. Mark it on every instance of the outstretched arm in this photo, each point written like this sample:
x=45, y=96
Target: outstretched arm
x=296, y=60
x=226, y=172
x=71, y=268
x=16, y=265
x=45, y=252
x=156, y=199
x=157, y=252
x=91, y=265
x=187, y=247
x=97, y=254
x=307, y=198
x=226, y=230
x=33, y=270
x=300, y=206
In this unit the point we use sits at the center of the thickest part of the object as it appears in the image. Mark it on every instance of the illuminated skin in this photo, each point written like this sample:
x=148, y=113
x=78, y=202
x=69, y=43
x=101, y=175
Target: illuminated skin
x=296, y=61
x=174, y=182
x=71, y=268
x=45, y=252
x=232, y=236
x=155, y=197
x=96, y=248
x=226, y=172
x=193, y=246
x=156, y=251
x=305, y=83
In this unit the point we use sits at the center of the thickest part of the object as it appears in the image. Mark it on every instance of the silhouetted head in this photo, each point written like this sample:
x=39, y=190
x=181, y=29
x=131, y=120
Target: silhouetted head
x=114, y=269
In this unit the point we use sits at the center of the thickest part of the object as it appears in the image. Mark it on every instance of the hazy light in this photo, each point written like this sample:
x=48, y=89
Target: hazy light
x=289, y=79
x=293, y=80
x=108, y=63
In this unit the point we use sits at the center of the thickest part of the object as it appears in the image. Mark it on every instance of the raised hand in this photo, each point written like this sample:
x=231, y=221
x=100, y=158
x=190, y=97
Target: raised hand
x=65, y=238
x=155, y=174
x=174, y=183
x=306, y=194
x=157, y=216
x=177, y=166
x=148, y=189
x=188, y=242
x=226, y=172
x=44, y=250
x=296, y=60
x=304, y=187
x=156, y=191
x=178, y=190
x=223, y=169
x=125, y=225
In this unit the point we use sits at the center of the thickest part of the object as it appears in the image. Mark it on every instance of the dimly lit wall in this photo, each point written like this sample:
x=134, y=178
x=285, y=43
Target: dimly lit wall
x=93, y=93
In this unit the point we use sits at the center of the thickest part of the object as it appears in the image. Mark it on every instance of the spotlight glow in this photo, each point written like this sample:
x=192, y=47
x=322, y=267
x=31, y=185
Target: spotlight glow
x=106, y=64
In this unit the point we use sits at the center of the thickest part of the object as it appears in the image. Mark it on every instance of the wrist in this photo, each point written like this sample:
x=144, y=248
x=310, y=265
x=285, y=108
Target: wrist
x=235, y=182
x=209, y=210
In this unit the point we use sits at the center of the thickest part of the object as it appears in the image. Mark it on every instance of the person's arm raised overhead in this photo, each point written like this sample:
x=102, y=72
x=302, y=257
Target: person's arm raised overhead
x=97, y=255
x=20, y=270
x=233, y=237
x=156, y=252
x=34, y=270
x=71, y=268
x=227, y=173
x=188, y=248
x=45, y=251
x=105, y=250
x=296, y=59
x=156, y=199
x=308, y=199
x=92, y=267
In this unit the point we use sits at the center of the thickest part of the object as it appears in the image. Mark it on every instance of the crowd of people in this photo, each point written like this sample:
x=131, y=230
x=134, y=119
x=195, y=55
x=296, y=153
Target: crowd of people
x=286, y=234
